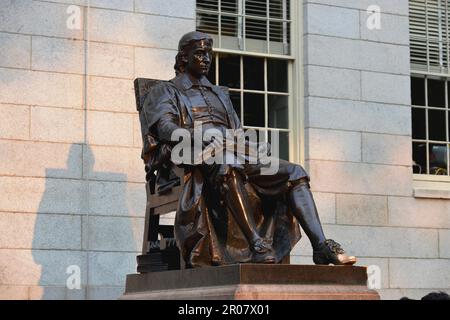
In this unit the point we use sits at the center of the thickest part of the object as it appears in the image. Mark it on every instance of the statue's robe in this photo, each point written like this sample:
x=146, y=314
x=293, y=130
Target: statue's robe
x=205, y=230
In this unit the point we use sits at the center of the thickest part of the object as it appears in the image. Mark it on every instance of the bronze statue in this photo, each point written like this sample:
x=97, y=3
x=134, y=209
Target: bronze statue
x=227, y=213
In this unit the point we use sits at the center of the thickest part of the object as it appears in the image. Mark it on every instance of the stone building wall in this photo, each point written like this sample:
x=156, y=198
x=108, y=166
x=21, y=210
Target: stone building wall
x=71, y=179
x=358, y=131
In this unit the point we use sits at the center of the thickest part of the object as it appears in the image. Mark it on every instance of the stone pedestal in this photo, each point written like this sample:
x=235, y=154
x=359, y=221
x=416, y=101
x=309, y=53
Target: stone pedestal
x=253, y=282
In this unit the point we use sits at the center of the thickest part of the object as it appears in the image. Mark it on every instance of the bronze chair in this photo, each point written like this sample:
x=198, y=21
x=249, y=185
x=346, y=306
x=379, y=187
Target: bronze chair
x=157, y=254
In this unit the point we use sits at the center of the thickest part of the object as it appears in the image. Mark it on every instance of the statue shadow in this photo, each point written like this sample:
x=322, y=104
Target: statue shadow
x=83, y=240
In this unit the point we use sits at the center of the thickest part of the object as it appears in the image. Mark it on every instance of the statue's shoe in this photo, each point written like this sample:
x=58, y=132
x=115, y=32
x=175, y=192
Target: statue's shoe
x=263, y=258
x=331, y=252
x=263, y=251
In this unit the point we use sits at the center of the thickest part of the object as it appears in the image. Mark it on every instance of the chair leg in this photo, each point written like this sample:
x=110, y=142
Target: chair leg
x=151, y=220
x=153, y=226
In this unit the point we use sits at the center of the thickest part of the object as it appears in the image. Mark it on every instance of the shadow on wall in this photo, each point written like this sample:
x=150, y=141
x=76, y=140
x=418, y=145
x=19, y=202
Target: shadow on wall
x=84, y=240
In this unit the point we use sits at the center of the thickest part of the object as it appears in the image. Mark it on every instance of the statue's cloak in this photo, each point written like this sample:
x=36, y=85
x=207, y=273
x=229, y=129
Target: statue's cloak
x=205, y=230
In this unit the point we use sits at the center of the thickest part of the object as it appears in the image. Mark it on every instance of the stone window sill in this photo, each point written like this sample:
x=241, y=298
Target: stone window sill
x=431, y=187
x=431, y=193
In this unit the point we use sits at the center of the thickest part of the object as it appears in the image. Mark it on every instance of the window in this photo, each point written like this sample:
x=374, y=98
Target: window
x=430, y=121
x=252, y=58
x=249, y=25
x=429, y=35
x=430, y=88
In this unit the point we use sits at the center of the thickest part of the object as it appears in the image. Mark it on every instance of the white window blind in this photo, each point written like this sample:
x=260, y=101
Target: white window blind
x=261, y=26
x=429, y=35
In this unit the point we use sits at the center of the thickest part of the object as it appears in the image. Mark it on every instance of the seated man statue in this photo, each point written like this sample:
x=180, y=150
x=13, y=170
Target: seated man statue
x=227, y=213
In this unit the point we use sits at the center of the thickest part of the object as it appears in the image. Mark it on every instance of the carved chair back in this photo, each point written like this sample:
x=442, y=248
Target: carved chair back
x=157, y=204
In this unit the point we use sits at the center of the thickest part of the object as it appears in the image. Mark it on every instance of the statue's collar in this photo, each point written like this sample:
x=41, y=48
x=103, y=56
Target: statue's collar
x=187, y=83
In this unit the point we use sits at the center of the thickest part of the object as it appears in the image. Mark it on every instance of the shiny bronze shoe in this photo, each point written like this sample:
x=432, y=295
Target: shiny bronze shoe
x=263, y=252
x=331, y=252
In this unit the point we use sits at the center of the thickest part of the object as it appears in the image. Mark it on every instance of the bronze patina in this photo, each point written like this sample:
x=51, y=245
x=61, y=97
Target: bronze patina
x=227, y=213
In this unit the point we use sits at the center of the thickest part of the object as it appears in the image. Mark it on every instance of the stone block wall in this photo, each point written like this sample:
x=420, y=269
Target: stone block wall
x=358, y=146
x=71, y=179
x=72, y=183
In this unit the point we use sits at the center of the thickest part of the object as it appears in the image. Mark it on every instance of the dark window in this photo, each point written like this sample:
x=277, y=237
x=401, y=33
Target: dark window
x=229, y=71
x=254, y=110
x=436, y=93
x=418, y=123
x=418, y=91
x=430, y=125
x=277, y=77
x=253, y=73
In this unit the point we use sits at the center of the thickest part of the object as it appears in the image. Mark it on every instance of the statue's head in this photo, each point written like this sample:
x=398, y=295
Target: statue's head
x=194, y=54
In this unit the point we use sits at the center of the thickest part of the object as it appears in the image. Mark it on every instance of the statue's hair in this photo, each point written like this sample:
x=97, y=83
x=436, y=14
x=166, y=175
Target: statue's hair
x=185, y=45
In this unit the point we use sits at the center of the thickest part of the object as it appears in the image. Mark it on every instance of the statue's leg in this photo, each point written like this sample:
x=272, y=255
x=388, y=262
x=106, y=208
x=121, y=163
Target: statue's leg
x=237, y=200
x=304, y=208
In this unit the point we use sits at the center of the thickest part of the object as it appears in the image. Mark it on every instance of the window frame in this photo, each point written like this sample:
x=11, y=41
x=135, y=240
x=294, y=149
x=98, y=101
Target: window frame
x=242, y=16
x=428, y=181
x=295, y=83
x=242, y=91
x=446, y=78
x=426, y=184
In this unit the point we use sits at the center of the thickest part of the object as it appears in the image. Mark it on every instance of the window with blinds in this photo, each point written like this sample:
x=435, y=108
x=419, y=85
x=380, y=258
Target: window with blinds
x=429, y=35
x=252, y=58
x=430, y=86
x=261, y=26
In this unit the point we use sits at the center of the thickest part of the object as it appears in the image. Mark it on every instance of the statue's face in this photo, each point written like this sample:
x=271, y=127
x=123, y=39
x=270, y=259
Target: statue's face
x=199, y=59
